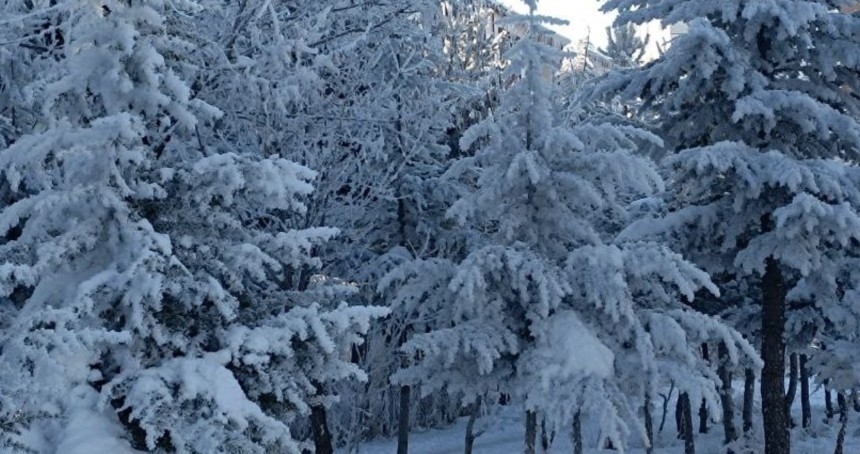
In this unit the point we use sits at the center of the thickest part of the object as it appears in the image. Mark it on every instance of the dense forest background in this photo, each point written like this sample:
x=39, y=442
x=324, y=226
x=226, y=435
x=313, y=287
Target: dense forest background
x=260, y=226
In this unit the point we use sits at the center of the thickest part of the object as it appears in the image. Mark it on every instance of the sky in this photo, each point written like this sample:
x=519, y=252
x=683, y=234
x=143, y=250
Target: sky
x=584, y=16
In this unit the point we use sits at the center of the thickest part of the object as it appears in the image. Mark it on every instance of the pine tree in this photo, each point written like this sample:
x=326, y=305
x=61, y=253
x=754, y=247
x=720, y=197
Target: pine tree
x=624, y=47
x=756, y=103
x=364, y=97
x=547, y=304
x=159, y=292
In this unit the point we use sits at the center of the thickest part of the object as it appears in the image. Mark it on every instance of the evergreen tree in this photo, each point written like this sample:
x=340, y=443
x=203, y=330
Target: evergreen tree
x=159, y=295
x=756, y=100
x=547, y=304
x=375, y=108
x=624, y=47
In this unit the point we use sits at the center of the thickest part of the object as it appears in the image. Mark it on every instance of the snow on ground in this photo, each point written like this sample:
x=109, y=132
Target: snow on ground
x=504, y=434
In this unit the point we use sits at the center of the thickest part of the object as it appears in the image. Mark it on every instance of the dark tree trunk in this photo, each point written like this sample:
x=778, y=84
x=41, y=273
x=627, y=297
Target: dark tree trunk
x=403, y=420
x=531, y=432
x=546, y=438
x=649, y=424
x=828, y=401
x=470, y=426
x=793, y=373
x=855, y=400
x=843, y=422
x=686, y=422
x=666, y=398
x=577, y=432
x=703, y=407
x=405, y=404
x=319, y=426
x=805, y=407
x=749, y=392
x=725, y=375
x=775, y=418
x=703, y=418
x=319, y=420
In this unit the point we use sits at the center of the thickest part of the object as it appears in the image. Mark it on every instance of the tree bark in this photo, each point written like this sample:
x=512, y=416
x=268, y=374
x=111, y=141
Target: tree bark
x=319, y=420
x=749, y=391
x=319, y=426
x=403, y=420
x=470, y=427
x=828, y=401
x=649, y=424
x=703, y=407
x=405, y=403
x=793, y=372
x=577, y=432
x=775, y=418
x=686, y=421
x=855, y=400
x=703, y=418
x=531, y=432
x=843, y=422
x=546, y=438
x=725, y=375
x=805, y=407
x=666, y=397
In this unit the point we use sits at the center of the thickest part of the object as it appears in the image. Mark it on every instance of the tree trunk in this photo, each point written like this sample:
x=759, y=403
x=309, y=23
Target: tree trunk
x=725, y=375
x=828, y=401
x=531, y=432
x=403, y=420
x=319, y=420
x=703, y=408
x=577, y=432
x=686, y=422
x=666, y=397
x=855, y=400
x=843, y=422
x=793, y=372
x=319, y=426
x=470, y=427
x=703, y=418
x=749, y=392
x=775, y=418
x=649, y=424
x=546, y=438
x=805, y=407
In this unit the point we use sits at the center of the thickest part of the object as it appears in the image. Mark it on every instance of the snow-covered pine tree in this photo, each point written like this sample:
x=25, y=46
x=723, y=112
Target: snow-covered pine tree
x=395, y=176
x=152, y=275
x=547, y=307
x=357, y=91
x=590, y=63
x=757, y=100
x=473, y=42
x=624, y=47
x=829, y=307
x=28, y=48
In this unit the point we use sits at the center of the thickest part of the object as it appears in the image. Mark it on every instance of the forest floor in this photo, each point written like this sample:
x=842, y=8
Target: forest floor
x=503, y=434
